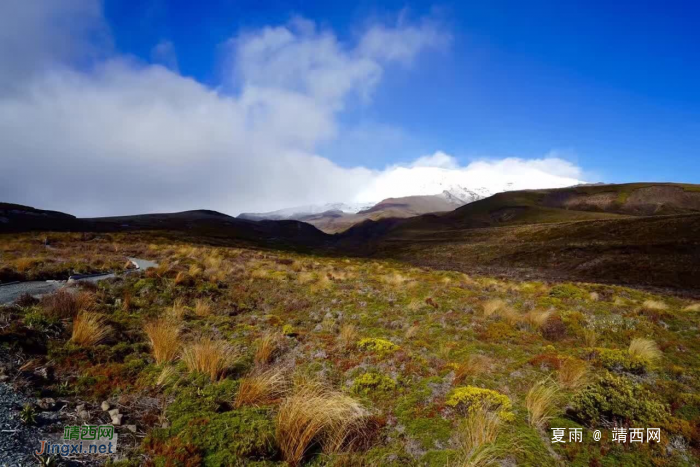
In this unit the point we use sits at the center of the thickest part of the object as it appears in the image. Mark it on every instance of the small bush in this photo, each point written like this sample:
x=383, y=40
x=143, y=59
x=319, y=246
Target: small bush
x=210, y=357
x=373, y=382
x=541, y=402
x=619, y=361
x=316, y=415
x=617, y=399
x=380, y=346
x=471, y=398
x=164, y=336
x=89, y=329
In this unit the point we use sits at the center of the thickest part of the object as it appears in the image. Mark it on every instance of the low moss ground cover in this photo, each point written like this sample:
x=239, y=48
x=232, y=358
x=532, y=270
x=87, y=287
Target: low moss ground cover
x=412, y=366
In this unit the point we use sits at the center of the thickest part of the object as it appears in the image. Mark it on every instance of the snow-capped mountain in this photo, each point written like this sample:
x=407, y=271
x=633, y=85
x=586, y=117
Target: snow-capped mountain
x=299, y=212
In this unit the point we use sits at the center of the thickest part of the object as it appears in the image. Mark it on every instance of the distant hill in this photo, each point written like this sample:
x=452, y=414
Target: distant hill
x=15, y=217
x=199, y=223
x=579, y=203
x=644, y=233
x=340, y=218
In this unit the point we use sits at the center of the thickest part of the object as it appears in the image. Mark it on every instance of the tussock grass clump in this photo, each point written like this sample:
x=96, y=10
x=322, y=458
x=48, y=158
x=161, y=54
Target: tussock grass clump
x=178, y=310
x=493, y=306
x=89, y=329
x=654, y=305
x=590, y=337
x=537, y=318
x=347, y=336
x=474, y=365
x=573, y=373
x=412, y=331
x=202, y=308
x=541, y=403
x=644, y=350
x=64, y=304
x=267, y=348
x=164, y=336
x=167, y=375
x=208, y=356
x=316, y=415
x=262, y=388
x=477, y=437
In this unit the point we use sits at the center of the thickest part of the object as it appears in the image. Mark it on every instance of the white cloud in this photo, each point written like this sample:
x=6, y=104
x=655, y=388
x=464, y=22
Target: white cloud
x=437, y=172
x=93, y=133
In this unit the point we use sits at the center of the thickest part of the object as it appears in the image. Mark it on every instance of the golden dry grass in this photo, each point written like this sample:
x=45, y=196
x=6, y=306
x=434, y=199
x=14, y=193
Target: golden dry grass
x=573, y=374
x=202, y=308
x=167, y=375
x=262, y=388
x=492, y=306
x=411, y=331
x=208, y=356
x=65, y=304
x=347, y=336
x=541, y=403
x=537, y=318
x=266, y=348
x=181, y=278
x=693, y=307
x=164, y=336
x=89, y=329
x=316, y=415
x=645, y=350
x=474, y=365
x=477, y=439
x=177, y=311
x=654, y=305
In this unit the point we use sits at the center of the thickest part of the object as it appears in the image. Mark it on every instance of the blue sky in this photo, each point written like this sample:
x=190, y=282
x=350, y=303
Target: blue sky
x=254, y=106
x=612, y=86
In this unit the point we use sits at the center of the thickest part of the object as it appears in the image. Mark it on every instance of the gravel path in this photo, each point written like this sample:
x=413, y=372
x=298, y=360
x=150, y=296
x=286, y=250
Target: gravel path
x=11, y=292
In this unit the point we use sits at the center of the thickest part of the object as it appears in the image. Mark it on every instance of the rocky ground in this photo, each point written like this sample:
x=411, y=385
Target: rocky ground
x=19, y=440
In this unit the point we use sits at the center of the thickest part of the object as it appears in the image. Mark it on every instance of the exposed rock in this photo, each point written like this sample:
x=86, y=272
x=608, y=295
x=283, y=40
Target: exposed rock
x=105, y=406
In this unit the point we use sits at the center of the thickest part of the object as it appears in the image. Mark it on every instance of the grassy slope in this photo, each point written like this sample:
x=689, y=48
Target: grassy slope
x=517, y=233
x=437, y=320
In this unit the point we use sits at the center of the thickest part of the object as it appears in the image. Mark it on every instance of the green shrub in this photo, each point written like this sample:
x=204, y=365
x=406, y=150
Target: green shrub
x=380, y=346
x=619, y=360
x=373, y=382
x=471, y=398
x=568, y=291
x=614, y=398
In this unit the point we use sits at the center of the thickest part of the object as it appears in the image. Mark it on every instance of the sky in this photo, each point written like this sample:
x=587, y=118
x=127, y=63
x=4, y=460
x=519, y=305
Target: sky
x=119, y=107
